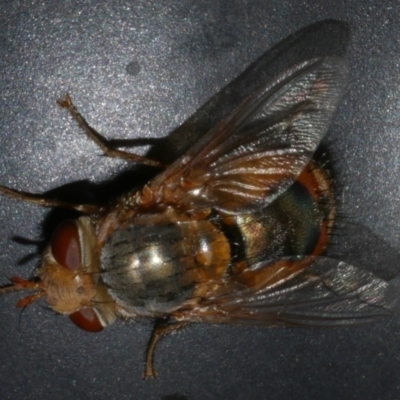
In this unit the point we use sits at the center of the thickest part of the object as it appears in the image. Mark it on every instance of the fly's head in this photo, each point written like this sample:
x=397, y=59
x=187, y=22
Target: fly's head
x=69, y=277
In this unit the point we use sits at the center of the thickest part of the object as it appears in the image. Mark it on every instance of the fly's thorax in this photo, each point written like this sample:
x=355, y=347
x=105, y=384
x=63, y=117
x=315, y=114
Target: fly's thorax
x=151, y=266
x=69, y=274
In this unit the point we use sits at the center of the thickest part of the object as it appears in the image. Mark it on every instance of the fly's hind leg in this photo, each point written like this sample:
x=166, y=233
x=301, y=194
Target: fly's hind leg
x=160, y=330
x=101, y=141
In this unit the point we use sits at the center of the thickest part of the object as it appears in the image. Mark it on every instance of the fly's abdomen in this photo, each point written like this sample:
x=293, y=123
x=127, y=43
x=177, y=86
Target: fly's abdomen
x=151, y=268
x=297, y=223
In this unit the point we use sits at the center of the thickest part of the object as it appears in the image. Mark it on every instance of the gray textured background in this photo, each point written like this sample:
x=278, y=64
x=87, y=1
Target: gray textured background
x=147, y=69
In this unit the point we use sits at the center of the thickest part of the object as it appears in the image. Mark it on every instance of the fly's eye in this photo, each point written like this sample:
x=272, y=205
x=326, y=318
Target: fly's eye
x=65, y=245
x=86, y=319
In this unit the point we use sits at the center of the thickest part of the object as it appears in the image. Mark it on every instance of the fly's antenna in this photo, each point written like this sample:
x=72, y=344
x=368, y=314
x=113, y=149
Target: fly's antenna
x=18, y=284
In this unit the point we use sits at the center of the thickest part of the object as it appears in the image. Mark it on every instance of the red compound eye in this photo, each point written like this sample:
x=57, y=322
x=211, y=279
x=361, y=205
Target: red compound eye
x=65, y=245
x=86, y=319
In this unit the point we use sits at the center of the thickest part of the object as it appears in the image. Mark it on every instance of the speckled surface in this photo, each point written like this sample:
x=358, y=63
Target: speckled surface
x=147, y=69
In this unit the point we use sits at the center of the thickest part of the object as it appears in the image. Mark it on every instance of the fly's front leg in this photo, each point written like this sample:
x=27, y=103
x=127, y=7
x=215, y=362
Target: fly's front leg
x=101, y=141
x=160, y=330
x=45, y=202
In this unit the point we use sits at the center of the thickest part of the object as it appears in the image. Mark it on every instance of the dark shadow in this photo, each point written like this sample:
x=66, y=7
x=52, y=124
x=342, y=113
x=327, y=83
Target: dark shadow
x=86, y=192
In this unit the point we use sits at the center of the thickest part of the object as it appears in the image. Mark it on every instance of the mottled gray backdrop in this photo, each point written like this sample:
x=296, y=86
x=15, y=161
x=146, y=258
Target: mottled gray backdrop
x=148, y=69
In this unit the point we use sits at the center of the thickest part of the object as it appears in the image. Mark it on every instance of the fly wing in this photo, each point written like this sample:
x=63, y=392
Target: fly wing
x=257, y=152
x=324, y=293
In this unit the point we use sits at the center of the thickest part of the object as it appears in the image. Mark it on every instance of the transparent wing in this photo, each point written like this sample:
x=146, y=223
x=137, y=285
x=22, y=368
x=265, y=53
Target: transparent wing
x=256, y=153
x=324, y=293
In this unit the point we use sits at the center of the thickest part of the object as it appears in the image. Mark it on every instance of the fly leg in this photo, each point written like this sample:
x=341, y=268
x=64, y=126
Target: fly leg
x=101, y=141
x=160, y=330
x=47, y=202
